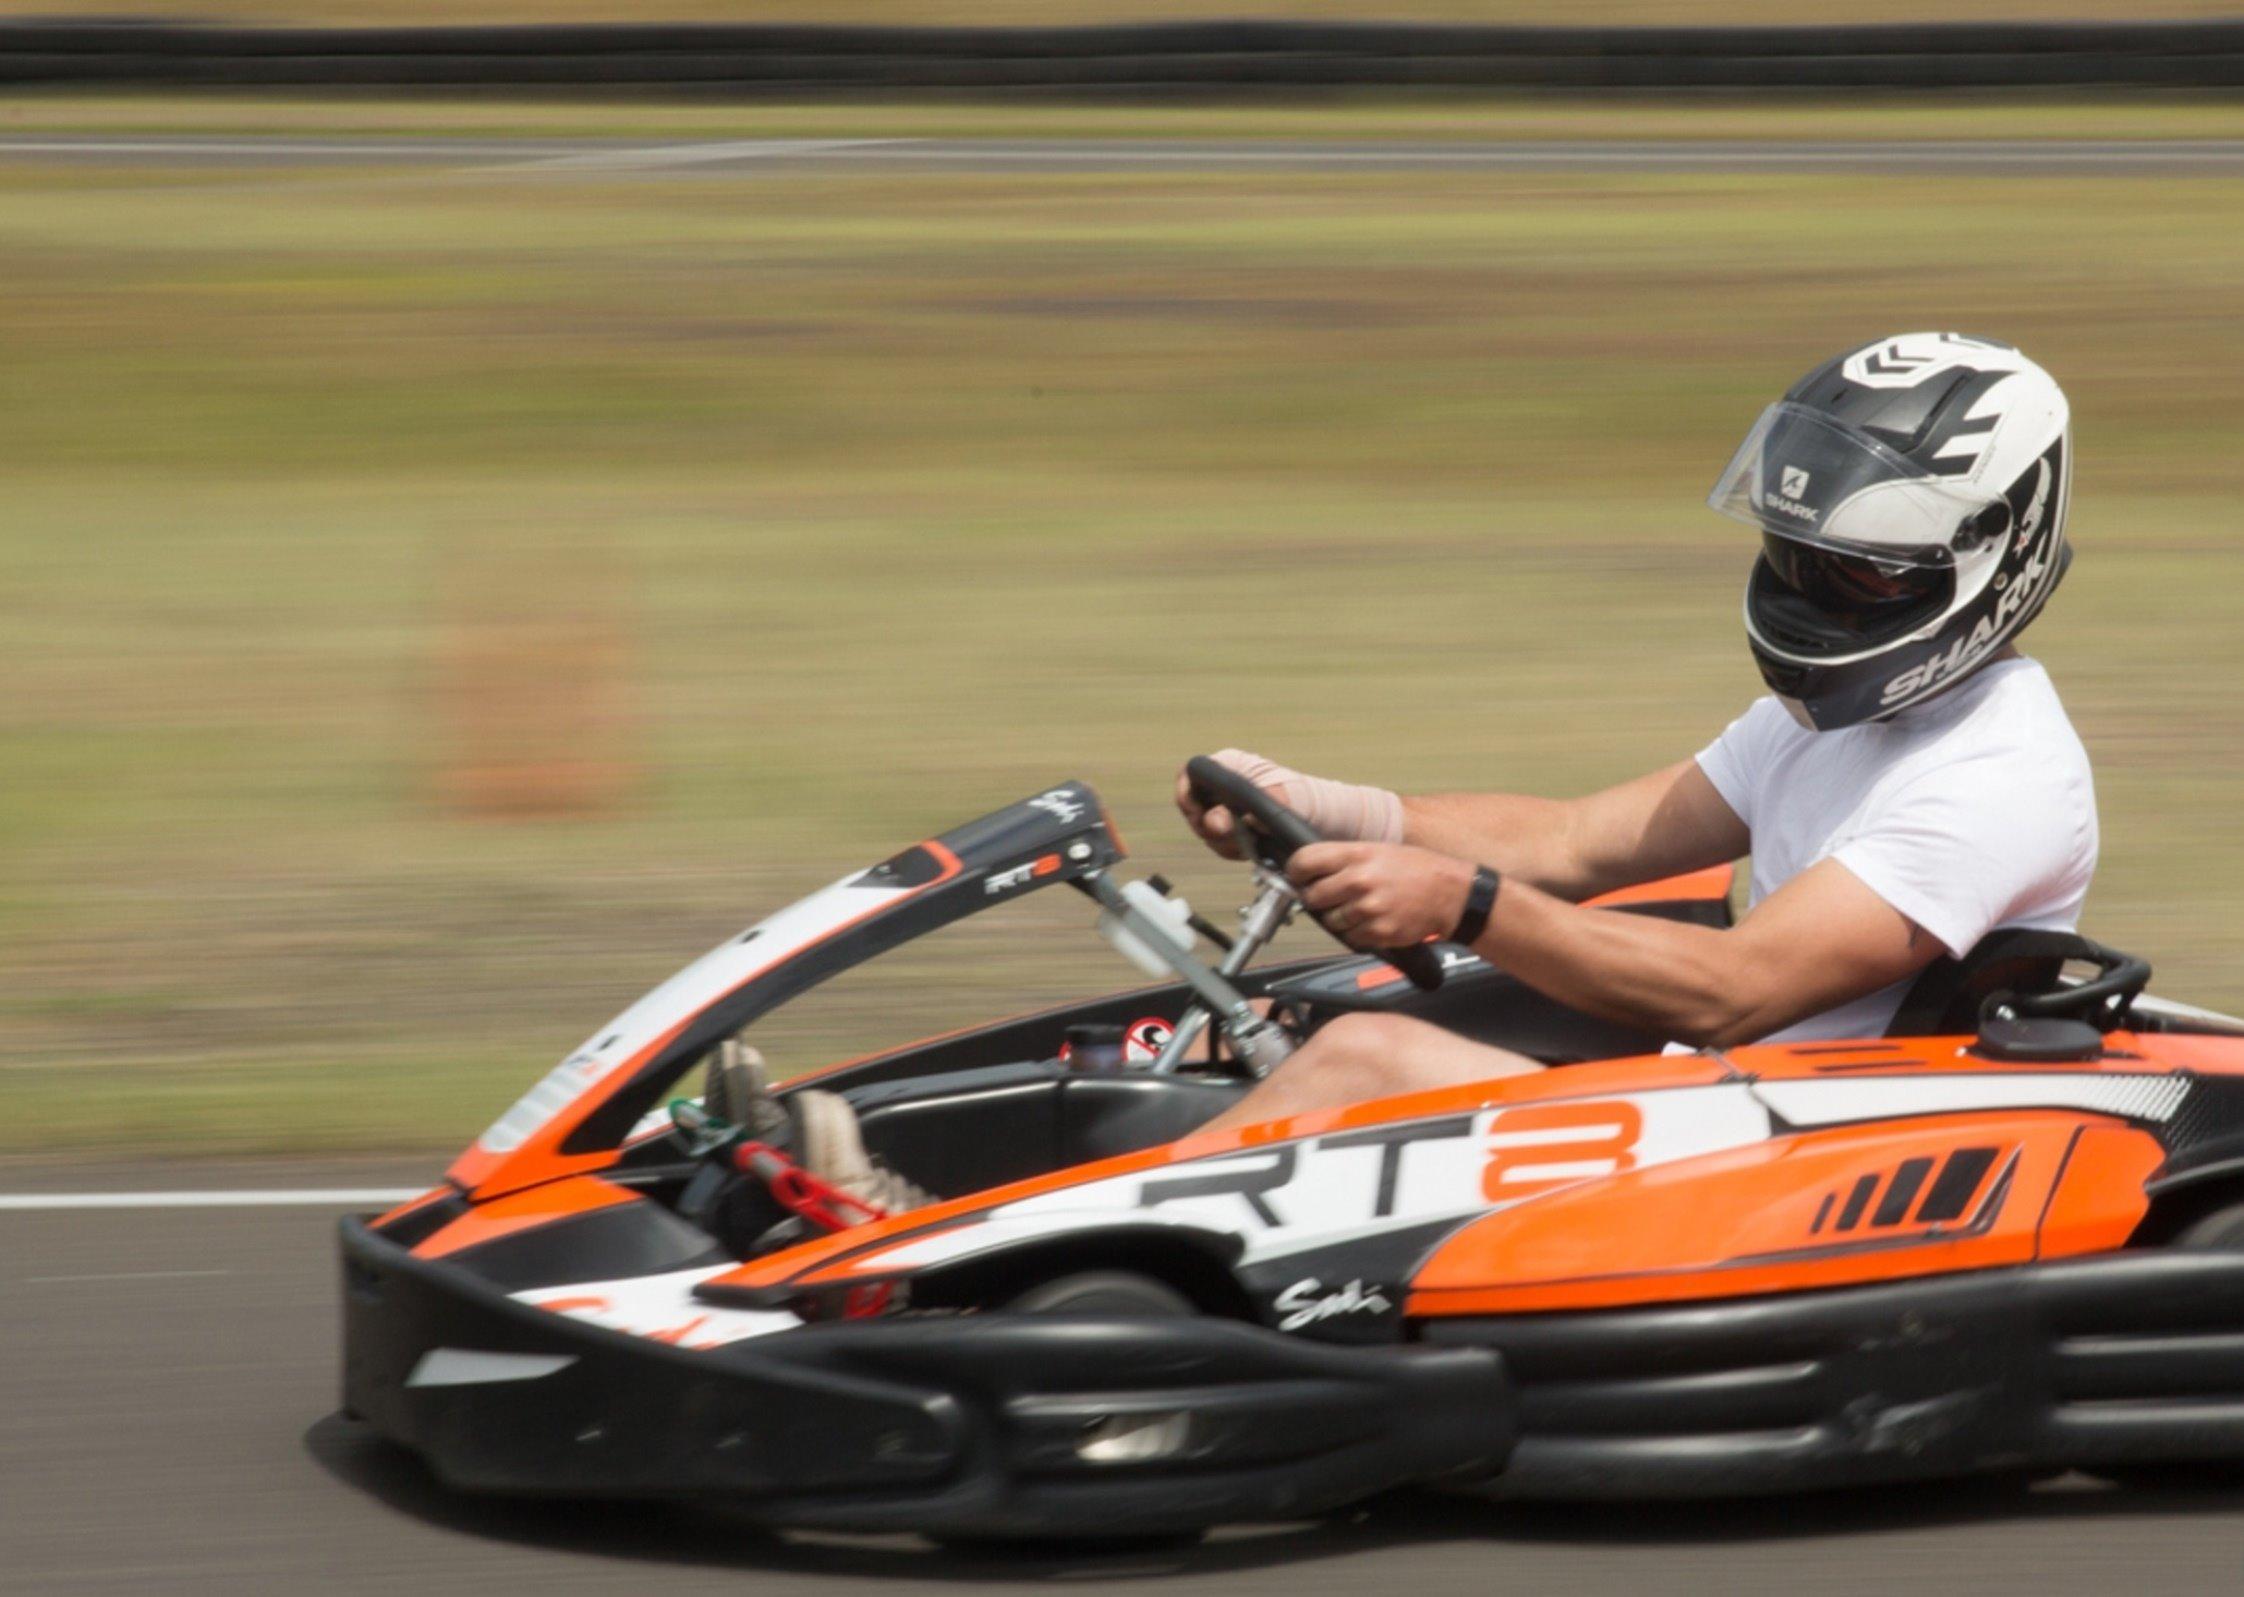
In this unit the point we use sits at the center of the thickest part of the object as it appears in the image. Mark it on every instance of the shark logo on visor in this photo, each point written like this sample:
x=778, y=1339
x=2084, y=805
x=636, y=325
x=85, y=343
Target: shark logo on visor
x=1792, y=482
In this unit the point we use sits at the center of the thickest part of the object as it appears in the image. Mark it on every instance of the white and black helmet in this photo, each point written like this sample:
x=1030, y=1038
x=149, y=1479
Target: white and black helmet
x=1911, y=501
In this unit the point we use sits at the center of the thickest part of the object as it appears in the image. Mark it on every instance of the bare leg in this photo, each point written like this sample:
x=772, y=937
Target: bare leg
x=1359, y=1057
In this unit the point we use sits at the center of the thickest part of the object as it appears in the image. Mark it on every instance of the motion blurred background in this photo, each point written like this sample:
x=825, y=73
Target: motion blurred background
x=440, y=598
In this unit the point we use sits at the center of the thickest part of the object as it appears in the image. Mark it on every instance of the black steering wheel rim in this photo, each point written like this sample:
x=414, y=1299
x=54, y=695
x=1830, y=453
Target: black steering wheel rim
x=1276, y=835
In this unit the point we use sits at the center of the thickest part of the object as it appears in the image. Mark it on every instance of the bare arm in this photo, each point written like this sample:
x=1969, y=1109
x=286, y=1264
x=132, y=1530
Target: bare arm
x=1663, y=824
x=1821, y=940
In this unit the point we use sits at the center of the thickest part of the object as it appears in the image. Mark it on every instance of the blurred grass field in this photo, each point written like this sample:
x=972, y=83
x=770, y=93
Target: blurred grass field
x=1362, y=117
x=801, y=516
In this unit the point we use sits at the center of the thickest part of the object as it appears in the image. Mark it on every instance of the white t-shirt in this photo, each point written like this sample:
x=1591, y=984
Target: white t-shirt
x=1970, y=811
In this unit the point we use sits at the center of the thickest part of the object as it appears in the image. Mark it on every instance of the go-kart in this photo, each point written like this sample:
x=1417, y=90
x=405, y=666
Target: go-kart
x=2005, y=1236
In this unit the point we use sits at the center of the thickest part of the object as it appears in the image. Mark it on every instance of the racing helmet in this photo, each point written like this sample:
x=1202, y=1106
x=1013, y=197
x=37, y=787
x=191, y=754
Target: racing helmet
x=1910, y=497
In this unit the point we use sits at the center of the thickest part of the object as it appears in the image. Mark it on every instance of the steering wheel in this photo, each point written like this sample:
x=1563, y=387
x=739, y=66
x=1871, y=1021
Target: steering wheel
x=1275, y=833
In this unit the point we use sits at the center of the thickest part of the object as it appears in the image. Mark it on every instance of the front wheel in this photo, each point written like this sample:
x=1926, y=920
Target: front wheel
x=1115, y=1294
x=1121, y=1294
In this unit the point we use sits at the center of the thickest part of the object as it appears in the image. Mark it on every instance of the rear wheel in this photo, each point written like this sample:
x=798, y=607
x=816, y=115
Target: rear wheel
x=2222, y=1229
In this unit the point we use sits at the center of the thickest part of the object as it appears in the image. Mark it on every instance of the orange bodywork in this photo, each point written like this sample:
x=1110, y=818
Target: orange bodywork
x=1774, y=1217
x=524, y=1211
x=799, y=1263
x=1713, y=882
x=1767, y=1217
x=1746, y=1221
x=2058, y=1183
x=436, y=1194
x=2100, y=1198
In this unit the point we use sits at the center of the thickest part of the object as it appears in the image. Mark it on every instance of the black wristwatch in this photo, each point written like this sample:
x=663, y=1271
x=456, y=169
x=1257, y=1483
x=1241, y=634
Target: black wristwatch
x=1480, y=898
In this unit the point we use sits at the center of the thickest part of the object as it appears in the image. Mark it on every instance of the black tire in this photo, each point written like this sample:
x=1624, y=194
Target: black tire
x=1115, y=1293
x=2223, y=1228
x=1068, y=1554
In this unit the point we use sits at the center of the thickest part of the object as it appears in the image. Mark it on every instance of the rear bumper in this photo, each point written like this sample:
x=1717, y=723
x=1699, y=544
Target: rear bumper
x=952, y=1425
x=2125, y=1359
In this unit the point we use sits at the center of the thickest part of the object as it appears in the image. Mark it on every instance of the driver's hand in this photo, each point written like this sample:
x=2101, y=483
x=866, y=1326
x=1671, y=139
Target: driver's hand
x=1215, y=825
x=1382, y=895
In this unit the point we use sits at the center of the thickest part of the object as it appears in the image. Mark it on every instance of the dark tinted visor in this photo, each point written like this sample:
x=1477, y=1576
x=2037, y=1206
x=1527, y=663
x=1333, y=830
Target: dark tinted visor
x=1857, y=593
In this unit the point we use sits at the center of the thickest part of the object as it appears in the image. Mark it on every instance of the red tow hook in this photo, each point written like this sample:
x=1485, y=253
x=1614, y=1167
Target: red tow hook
x=799, y=1192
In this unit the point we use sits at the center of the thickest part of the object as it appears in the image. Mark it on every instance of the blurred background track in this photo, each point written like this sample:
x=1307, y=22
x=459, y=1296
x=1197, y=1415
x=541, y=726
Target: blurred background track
x=463, y=557
x=443, y=595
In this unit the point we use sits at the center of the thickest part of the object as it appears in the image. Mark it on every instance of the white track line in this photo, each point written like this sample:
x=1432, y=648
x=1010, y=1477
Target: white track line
x=624, y=158
x=292, y=149
x=121, y=1275
x=249, y=1198
x=642, y=158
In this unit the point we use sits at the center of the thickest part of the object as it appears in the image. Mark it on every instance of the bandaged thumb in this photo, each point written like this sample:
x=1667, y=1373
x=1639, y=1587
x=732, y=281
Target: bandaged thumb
x=1343, y=811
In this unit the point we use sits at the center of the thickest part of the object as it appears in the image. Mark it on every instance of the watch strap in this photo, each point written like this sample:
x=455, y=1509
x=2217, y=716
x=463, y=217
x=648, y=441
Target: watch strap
x=1480, y=900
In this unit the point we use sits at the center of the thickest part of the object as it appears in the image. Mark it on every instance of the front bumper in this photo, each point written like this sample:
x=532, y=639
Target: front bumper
x=952, y=1425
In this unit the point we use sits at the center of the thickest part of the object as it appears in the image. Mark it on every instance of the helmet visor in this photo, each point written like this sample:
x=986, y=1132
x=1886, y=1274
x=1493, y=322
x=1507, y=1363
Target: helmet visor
x=1809, y=477
x=1855, y=600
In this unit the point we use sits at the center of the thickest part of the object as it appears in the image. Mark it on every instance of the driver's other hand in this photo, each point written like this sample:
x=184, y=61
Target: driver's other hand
x=1381, y=895
x=1215, y=825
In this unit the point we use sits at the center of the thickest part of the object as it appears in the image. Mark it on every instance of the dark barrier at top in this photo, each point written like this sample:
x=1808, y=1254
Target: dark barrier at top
x=1207, y=57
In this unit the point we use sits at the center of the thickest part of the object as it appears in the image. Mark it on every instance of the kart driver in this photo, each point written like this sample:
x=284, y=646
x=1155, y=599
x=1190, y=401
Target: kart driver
x=1909, y=784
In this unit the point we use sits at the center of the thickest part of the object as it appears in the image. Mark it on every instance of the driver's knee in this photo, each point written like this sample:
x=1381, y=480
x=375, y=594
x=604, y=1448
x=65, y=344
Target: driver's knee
x=1361, y=1055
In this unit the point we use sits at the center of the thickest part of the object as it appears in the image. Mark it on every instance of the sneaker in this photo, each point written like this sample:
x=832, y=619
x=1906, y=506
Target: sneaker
x=736, y=1089
x=831, y=1147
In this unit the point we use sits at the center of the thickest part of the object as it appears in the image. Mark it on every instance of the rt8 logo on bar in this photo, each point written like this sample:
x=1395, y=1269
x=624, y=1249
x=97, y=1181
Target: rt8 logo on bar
x=1536, y=1147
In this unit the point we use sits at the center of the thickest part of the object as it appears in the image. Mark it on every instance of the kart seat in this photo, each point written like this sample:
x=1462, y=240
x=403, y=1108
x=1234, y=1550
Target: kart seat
x=1948, y=995
x=960, y=1131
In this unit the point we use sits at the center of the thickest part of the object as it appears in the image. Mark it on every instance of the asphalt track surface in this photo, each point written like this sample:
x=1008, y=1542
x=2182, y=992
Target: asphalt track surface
x=167, y=1387
x=622, y=157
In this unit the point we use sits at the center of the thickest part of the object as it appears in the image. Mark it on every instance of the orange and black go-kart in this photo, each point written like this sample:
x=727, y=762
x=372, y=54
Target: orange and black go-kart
x=2009, y=1235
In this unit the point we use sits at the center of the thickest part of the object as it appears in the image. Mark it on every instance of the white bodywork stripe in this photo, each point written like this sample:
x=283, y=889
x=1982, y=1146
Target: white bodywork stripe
x=661, y=1307
x=1836, y=1102
x=463, y=1366
x=731, y=964
x=963, y=1241
x=250, y=1198
x=647, y=156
